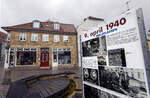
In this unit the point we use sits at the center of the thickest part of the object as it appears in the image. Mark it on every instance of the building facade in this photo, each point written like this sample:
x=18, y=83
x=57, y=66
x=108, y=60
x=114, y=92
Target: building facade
x=45, y=44
x=87, y=24
x=3, y=44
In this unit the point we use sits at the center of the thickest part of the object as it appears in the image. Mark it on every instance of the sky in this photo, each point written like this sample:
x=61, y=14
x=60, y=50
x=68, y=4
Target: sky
x=13, y=12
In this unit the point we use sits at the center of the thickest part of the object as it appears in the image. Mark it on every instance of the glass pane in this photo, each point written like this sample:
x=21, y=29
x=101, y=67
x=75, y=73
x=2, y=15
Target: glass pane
x=43, y=57
x=47, y=57
x=64, y=57
x=54, y=56
x=54, y=49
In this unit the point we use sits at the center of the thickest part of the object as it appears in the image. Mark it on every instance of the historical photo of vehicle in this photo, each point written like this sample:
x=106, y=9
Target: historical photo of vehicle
x=127, y=81
x=96, y=47
x=91, y=75
x=117, y=57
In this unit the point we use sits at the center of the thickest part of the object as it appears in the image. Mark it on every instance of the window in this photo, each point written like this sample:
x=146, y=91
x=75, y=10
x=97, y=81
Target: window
x=34, y=37
x=45, y=37
x=54, y=56
x=57, y=26
x=66, y=38
x=64, y=56
x=56, y=38
x=22, y=37
x=9, y=36
x=36, y=24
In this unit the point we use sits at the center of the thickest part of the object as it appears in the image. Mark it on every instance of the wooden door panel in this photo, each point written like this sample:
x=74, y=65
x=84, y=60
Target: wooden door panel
x=44, y=57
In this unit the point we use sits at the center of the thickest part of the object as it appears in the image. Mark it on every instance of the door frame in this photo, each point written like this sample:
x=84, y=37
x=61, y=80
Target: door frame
x=46, y=51
x=55, y=63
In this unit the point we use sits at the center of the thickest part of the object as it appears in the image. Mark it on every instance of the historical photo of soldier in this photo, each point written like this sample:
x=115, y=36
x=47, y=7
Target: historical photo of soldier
x=129, y=81
x=96, y=47
x=117, y=57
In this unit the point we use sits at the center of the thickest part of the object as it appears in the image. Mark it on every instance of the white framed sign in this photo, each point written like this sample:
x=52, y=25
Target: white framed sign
x=121, y=52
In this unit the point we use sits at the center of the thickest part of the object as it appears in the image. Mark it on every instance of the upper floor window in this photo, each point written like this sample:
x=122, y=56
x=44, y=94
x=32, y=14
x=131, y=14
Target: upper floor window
x=22, y=36
x=56, y=38
x=66, y=38
x=45, y=37
x=34, y=37
x=57, y=26
x=36, y=24
x=9, y=36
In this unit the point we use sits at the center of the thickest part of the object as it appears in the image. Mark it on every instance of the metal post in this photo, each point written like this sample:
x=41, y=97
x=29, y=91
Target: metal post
x=8, y=57
x=144, y=46
x=81, y=54
x=15, y=63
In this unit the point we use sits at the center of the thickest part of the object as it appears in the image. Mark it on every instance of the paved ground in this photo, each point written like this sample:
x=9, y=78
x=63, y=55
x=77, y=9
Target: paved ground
x=3, y=88
x=49, y=87
x=17, y=73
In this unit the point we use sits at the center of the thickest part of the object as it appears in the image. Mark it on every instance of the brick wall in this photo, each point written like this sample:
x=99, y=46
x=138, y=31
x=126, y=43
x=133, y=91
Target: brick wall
x=16, y=43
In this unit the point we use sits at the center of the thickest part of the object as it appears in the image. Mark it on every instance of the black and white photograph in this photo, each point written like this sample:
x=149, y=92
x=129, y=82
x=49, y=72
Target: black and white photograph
x=90, y=92
x=91, y=75
x=127, y=81
x=103, y=94
x=96, y=47
x=117, y=57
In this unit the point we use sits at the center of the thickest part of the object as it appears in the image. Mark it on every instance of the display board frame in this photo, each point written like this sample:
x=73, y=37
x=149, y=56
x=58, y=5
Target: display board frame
x=112, y=52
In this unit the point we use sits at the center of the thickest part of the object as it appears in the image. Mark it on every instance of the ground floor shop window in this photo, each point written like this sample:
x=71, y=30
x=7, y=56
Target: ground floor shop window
x=26, y=58
x=64, y=57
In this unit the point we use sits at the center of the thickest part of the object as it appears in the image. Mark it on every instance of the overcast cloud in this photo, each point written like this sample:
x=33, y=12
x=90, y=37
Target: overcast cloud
x=67, y=11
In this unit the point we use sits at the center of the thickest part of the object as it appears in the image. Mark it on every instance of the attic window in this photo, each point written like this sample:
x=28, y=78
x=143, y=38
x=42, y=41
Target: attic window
x=57, y=26
x=36, y=24
x=47, y=25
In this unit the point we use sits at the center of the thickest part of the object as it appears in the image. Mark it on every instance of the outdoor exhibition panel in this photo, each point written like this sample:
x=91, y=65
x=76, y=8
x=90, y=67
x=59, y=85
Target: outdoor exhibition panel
x=115, y=58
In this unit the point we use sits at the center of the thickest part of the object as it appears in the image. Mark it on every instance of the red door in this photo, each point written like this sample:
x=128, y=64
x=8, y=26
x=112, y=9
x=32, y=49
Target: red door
x=44, y=57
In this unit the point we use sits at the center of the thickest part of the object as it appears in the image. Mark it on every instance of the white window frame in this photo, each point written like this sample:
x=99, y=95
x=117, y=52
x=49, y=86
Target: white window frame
x=22, y=36
x=56, y=26
x=45, y=37
x=66, y=38
x=56, y=38
x=36, y=24
x=34, y=37
x=8, y=37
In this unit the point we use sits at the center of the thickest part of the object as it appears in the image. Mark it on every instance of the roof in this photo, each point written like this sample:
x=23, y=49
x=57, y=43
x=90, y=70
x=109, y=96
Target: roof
x=3, y=36
x=93, y=18
x=47, y=26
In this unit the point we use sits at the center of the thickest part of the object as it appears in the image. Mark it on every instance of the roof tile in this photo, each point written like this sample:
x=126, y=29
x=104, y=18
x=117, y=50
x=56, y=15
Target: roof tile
x=45, y=26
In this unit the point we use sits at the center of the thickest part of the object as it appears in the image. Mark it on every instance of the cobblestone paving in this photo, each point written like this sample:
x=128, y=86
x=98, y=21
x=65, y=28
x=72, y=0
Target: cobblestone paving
x=17, y=73
x=3, y=88
x=49, y=87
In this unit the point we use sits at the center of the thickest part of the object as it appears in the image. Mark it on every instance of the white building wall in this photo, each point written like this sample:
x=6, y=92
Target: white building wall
x=84, y=27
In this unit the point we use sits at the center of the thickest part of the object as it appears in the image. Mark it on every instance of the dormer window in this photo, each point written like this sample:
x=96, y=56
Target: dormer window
x=56, y=26
x=36, y=24
x=47, y=25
